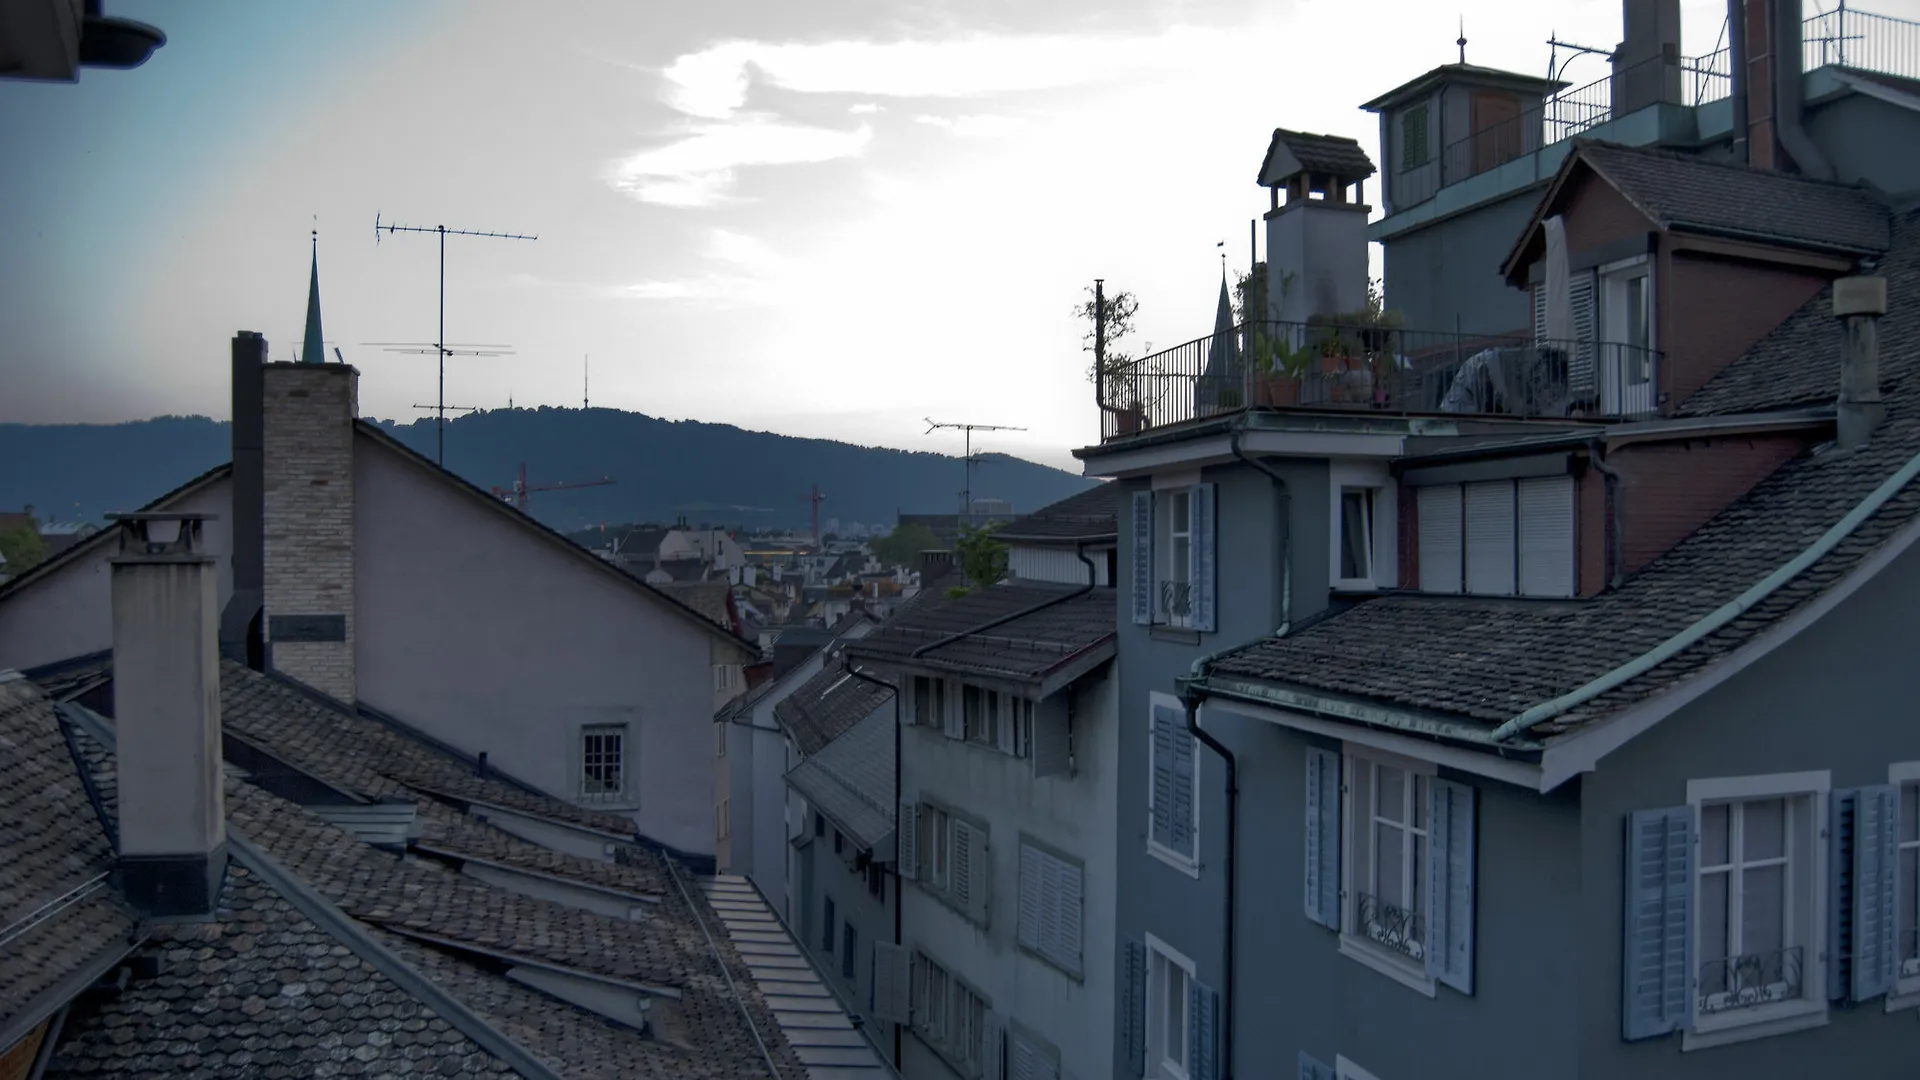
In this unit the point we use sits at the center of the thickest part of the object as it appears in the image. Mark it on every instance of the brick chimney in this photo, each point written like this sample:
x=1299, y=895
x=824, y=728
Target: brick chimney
x=166, y=707
x=1858, y=302
x=1646, y=66
x=307, y=417
x=1769, y=81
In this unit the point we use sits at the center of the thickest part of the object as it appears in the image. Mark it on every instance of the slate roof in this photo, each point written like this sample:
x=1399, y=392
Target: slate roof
x=263, y=983
x=1488, y=659
x=1027, y=648
x=1090, y=515
x=826, y=705
x=1335, y=154
x=850, y=780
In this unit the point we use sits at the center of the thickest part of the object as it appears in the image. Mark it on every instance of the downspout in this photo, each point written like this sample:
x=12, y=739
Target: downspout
x=899, y=937
x=1721, y=616
x=1192, y=693
x=1737, y=65
x=1616, y=560
x=1283, y=528
x=1079, y=552
x=1790, y=90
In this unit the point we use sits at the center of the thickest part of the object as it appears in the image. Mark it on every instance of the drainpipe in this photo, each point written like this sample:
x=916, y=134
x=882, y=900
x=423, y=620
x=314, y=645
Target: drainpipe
x=899, y=938
x=1789, y=92
x=1737, y=64
x=1616, y=559
x=1079, y=552
x=1283, y=527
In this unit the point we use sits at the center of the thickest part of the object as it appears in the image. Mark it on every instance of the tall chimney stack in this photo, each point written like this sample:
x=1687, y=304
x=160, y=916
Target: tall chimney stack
x=307, y=417
x=240, y=628
x=166, y=707
x=1858, y=302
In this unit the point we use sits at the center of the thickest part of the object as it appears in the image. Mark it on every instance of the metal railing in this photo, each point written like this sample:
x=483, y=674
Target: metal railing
x=1176, y=602
x=1331, y=365
x=1863, y=40
x=1391, y=927
x=1744, y=982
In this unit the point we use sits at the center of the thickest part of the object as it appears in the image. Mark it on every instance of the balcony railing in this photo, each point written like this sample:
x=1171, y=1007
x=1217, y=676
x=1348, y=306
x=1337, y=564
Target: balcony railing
x=1857, y=39
x=1328, y=365
x=1744, y=982
x=1391, y=927
x=1176, y=603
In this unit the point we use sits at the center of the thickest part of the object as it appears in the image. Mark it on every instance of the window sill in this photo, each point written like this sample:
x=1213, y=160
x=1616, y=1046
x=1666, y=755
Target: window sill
x=1904, y=996
x=611, y=806
x=946, y=901
x=1048, y=962
x=1175, y=634
x=1369, y=956
x=1781, y=1019
x=1185, y=864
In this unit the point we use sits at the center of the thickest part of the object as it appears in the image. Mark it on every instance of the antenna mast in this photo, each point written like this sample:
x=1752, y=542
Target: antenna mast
x=586, y=372
x=966, y=494
x=440, y=343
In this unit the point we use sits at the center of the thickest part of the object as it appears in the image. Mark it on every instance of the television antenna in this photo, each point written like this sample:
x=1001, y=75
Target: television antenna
x=440, y=344
x=424, y=348
x=966, y=495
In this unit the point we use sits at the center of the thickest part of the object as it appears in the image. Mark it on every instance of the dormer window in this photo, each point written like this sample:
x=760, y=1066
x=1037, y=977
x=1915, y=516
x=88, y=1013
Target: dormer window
x=1356, y=534
x=1362, y=531
x=1498, y=537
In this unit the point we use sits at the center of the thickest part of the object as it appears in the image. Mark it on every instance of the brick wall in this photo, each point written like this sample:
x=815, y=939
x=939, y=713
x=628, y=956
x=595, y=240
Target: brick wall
x=1715, y=309
x=17, y=1060
x=1590, y=520
x=308, y=412
x=1597, y=214
x=1667, y=490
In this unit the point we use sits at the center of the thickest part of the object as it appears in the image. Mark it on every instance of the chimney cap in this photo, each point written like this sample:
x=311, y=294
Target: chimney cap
x=1859, y=295
x=146, y=537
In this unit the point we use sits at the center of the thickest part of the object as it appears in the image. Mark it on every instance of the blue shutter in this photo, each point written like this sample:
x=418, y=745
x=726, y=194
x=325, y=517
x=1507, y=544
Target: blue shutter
x=1143, y=557
x=1160, y=821
x=1323, y=838
x=1204, y=556
x=1876, y=860
x=1312, y=1068
x=1203, y=1032
x=1656, y=923
x=1842, y=831
x=1450, y=836
x=1133, y=1007
x=1183, y=794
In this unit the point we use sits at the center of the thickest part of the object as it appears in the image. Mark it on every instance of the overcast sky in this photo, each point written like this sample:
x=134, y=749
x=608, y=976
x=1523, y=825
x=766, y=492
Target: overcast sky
x=828, y=219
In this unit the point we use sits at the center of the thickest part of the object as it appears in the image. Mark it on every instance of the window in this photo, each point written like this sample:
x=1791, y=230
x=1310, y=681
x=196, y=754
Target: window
x=720, y=739
x=1415, y=148
x=839, y=842
x=827, y=927
x=603, y=774
x=924, y=709
x=980, y=714
x=936, y=827
x=1356, y=534
x=1173, y=557
x=726, y=678
x=951, y=856
x=1626, y=343
x=1173, y=814
x=1176, y=587
x=1168, y=978
x=1498, y=537
x=1747, y=952
x=847, y=947
x=950, y=1015
x=1907, y=882
x=1389, y=847
x=1051, y=888
x=819, y=824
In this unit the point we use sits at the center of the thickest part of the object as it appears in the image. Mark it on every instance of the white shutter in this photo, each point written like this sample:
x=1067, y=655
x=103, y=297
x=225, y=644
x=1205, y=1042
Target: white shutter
x=1581, y=366
x=953, y=714
x=1540, y=310
x=1490, y=555
x=1546, y=536
x=1009, y=724
x=1052, y=742
x=970, y=871
x=1143, y=557
x=907, y=836
x=891, y=972
x=1033, y=872
x=1441, y=542
x=1201, y=552
x=993, y=1043
x=1067, y=931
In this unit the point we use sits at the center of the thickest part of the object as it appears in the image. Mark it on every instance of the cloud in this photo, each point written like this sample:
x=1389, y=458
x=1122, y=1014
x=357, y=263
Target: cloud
x=699, y=168
x=978, y=126
x=865, y=108
x=725, y=245
x=718, y=287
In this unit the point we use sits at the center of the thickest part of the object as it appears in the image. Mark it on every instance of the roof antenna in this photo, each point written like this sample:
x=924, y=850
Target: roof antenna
x=1462, y=40
x=585, y=371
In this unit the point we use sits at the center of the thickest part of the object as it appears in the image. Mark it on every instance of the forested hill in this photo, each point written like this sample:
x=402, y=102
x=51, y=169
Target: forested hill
x=708, y=473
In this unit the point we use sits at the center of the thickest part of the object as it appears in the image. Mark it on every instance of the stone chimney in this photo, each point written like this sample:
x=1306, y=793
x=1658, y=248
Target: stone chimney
x=1646, y=66
x=1316, y=226
x=1858, y=302
x=933, y=564
x=307, y=418
x=166, y=707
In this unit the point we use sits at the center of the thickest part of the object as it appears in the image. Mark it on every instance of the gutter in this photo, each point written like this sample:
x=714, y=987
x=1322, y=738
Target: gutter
x=1722, y=615
x=1789, y=93
x=899, y=937
x=1613, y=559
x=1283, y=528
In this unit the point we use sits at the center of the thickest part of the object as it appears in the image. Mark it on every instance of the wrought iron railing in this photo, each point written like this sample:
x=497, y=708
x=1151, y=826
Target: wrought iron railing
x=1750, y=980
x=1176, y=602
x=1863, y=40
x=1391, y=927
x=1333, y=365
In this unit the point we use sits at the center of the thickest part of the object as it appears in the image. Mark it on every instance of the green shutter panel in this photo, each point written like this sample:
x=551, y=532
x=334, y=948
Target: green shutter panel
x=1876, y=858
x=1143, y=557
x=1133, y=1007
x=1657, y=968
x=1204, y=555
x=1203, y=1032
x=907, y=835
x=1323, y=838
x=1450, y=837
x=1160, y=822
x=1312, y=1068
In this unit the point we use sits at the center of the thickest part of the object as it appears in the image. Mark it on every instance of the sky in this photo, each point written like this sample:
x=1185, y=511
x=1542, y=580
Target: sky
x=836, y=219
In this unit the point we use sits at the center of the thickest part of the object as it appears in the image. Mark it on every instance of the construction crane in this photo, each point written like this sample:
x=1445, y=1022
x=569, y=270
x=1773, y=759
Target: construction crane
x=517, y=494
x=816, y=499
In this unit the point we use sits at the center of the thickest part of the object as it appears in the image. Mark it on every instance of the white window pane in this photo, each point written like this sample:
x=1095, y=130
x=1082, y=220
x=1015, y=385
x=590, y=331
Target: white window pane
x=1713, y=918
x=1356, y=533
x=1420, y=802
x=1387, y=854
x=1763, y=910
x=1764, y=830
x=1180, y=515
x=1714, y=836
x=1417, y=891
x=1390, y=784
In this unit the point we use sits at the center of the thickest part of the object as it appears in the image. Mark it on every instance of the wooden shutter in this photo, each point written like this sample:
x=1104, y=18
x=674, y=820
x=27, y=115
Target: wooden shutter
x=993, y=1047
x=1029, y=1061
x=1658, y=954
x=953, y=713
x=1540, y=310
x=1546, y=536
x=1442, y=542
x=1864, y=858
x=1028, y=921
x=1143, y=557
x=1312, y=1068
x=1490, y=554
x=1068, y=900
x=1182, y=809
x=1842, y=832
x=1203, y=554
x=1203, y=1032
x=1052, y=742
x=1009, y=725
x=907, y=837
x=891, y=971
x=1450, y=895
x=1160, y=820
x=960, y=868
x=1580, y=365
x=1133, y=1006
x=1323, y=837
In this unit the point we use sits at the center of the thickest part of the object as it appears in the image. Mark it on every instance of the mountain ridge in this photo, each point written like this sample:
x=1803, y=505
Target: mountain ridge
x=710, y=473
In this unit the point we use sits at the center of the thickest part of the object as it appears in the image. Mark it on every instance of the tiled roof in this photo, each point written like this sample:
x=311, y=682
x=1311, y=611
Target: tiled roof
x=1026, y=648
x=1334, y=154
x=826, y=705
x=1090, y=515
x=1490, y=659
x=851, y=778
x=57, y=909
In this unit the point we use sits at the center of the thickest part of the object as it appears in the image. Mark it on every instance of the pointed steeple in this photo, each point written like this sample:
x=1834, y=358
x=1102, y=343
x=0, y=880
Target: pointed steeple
x=314, y=349
x=1223, y=318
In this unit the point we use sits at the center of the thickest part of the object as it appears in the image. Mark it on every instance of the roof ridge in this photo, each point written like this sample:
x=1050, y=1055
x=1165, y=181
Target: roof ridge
x=1668, y=154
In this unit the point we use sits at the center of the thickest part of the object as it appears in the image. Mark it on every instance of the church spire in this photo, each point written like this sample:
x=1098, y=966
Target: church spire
x=314, y=349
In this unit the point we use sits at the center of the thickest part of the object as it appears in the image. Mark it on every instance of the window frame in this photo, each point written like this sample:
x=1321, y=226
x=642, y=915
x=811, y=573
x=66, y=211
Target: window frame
x=1176, y=571
x=618, y=796
x=1805, y=926
x=960, y=1017
x=1367, y=496
x=1162, y=959
x=1076, y=967
x=1383, y=523
x=1424, y=110
x=1356, y=857
x=1906, y=987
x=1179, y=860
